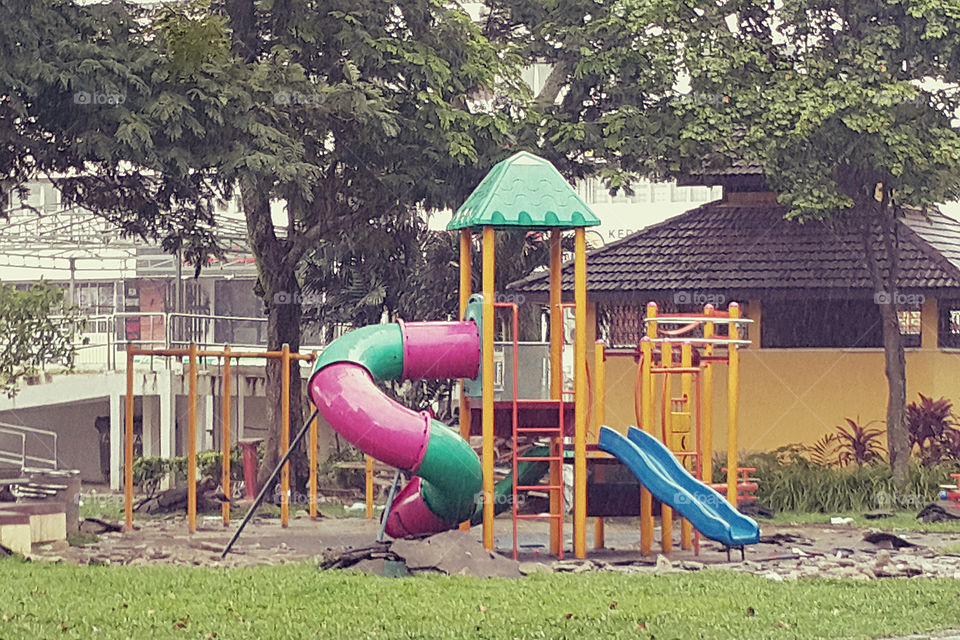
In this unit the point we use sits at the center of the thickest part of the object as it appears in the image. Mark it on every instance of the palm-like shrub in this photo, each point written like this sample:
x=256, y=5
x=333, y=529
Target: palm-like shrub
x=860, y=444
x=933, y=431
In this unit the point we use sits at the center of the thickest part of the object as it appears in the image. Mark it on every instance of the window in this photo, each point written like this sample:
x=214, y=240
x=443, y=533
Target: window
x=949, y=324
x=842, y=324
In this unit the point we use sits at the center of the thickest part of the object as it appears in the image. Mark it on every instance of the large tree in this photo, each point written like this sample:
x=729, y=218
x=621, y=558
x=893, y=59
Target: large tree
x=323, y=116
x=355, y=112
x=849, y=108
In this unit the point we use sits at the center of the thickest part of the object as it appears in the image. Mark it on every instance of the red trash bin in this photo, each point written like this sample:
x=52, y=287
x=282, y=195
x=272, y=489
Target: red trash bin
x=249, y=449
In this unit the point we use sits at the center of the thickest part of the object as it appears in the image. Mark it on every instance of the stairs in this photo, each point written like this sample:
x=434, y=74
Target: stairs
x=46, y=507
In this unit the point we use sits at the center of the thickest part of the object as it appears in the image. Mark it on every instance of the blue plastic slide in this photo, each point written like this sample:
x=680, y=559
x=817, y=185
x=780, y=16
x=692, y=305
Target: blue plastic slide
x=658, y=470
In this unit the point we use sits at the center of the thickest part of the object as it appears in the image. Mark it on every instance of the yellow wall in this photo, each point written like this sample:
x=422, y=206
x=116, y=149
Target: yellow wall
x=797, y=395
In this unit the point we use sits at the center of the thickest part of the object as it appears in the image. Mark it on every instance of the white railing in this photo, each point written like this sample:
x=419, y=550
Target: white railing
x=103, y=338
x=43, y=454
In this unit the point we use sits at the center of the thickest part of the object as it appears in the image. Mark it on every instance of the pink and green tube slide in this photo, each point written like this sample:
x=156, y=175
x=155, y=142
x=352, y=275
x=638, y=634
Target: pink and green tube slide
x=343, y=388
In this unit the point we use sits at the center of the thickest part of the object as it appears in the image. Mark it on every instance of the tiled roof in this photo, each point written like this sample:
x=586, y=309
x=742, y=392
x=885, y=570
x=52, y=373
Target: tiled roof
x=753, y=248
x=523, y=191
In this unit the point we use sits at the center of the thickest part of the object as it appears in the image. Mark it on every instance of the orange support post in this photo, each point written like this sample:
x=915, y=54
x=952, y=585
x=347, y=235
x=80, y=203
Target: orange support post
x=556, y=384
x=225, y=437
x=285, y=433
x=733, y=401
x=368, y=487
x=486, y=457
x=580, y=395
x=647, y=406
x=666, y=511
x=192, y=442
x=706, y=437
x=128, y=446
x=314, y=427
x=600, y=416
x=686, y=387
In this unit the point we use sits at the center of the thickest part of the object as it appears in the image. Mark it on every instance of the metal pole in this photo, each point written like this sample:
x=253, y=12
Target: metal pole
x=192, y=442
x=313, y=466
x=269, y=483
x=386, y=509
x=128, y=446
x=733, y=403
x=225, y=439
x=487, y=351
x=580, y=407
x=285, y=433
x=556, y=386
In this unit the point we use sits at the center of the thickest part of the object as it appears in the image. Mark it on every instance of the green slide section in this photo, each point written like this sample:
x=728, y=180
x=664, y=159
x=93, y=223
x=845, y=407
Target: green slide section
x=378, y=348
x=528, y=473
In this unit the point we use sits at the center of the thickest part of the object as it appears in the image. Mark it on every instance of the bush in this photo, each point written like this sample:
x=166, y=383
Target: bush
x=788, y=481
x=148, y=472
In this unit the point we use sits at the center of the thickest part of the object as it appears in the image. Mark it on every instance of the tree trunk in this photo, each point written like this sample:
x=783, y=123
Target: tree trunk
x=283, y=327
x=886, y=294
x=280, y=290
x=898, y=442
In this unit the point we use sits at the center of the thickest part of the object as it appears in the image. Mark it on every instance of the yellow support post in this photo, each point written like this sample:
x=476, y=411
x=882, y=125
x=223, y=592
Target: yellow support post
x=666, y=511
x=314, y=460
x=285, y=433
x=486, y=457
x=556, y=383
x=128, y=445
x=368, y=486
x=225, y=439
x=600, y=416
x=646, y=417
x=686, y=389
x=466, y=288
x=733, y=403
x=580, y=395
x=192, y=442
x=706, y=421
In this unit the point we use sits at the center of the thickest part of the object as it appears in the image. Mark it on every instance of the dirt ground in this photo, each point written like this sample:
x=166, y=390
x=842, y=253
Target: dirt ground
x=785, y=552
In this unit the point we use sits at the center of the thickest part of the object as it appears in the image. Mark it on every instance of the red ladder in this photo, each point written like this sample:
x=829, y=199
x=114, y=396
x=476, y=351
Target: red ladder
x=556, y=457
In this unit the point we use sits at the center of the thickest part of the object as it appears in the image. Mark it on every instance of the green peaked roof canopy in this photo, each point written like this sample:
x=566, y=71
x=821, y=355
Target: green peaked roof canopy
x=523, y=191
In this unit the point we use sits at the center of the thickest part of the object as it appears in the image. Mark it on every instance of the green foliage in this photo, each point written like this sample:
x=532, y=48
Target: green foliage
x=44, y=600
x=149, y=472
x=790, y=481
x=36, y=330
x=933, y=429
x=860, y=444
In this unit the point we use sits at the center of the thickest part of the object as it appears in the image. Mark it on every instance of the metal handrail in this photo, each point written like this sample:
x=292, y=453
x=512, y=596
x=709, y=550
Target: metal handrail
x=24, y=430
x=10, y=456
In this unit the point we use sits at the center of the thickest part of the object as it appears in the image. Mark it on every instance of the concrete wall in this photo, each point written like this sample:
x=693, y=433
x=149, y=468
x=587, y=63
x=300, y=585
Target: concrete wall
x=78, y=441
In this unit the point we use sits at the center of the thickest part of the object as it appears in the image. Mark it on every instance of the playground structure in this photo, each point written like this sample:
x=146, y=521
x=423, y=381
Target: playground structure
x=451, y=485
x=193, y=353
x=526, y=193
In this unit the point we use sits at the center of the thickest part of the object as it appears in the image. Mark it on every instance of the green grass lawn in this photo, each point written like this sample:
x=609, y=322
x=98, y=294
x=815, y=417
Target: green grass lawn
x=296, y=601
x=899, y=521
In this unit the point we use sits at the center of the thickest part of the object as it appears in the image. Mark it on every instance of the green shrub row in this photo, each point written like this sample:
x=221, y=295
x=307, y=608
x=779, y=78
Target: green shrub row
x=787, y=481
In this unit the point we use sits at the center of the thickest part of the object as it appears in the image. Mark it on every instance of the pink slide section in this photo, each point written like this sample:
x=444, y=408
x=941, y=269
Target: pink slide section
x=345, y=391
